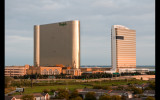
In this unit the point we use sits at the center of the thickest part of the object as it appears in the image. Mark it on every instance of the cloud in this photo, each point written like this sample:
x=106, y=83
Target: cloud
x=18, y=46
x=15, y=33
x=103, y=3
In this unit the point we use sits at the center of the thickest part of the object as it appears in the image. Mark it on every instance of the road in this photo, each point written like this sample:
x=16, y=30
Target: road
x=10, y=93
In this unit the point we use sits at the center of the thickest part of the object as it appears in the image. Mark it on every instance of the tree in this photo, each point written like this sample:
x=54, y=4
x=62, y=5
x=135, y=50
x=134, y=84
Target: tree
x=77, y=98
x=52, y=90
x=46, y=90
x=116, y=97
x=137, y=90
x=150, y=98
x=97, y=87
x=90, y=96
x=106, y=88
x=152, y=85
x=27, y=97
x=74, y=94
x=120, y=88
x=62, y=93
x=105, y=97
x=8, y=81
x=123, y=97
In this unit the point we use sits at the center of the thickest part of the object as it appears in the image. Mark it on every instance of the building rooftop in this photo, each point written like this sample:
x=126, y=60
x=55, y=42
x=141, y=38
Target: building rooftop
x=120, y=26
x=149, y=92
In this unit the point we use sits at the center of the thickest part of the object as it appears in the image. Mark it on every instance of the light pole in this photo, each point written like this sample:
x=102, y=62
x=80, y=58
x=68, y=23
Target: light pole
x=31, y=77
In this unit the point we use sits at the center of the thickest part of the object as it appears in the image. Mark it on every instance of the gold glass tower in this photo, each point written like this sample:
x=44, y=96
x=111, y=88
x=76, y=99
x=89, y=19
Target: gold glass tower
x=57, y=43
x=123, y=47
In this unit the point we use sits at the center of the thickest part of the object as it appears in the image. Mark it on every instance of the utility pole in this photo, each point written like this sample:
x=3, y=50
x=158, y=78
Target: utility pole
x=31, y=77
x=31, y=82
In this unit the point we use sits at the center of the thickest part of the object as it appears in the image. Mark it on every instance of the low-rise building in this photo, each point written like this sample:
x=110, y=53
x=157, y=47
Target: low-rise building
x=94, y=69
x=53, y=70
x=133, y=70
x=142, y=86
x=16, y=70
x=135, y=98
x=43, y=70
x=75, y=72
x=100, y=92
x=37, y=96
x=41, y=96
x=149, y=93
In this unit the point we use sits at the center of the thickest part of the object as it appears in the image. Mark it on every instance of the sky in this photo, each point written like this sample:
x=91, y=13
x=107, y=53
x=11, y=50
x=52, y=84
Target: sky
x=96, y=19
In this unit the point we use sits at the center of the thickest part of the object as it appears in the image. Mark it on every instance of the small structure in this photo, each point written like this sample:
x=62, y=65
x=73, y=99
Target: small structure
x=44, y=70
x=99, y=92
x=37, y=96
x=128, y=94
x=41, y=96
x=10, y=98
x=149, y=93
x=142, y=86
x=135, y=99
x=16, y=97
x=16, y=70
x=74, y=72
x=133, y=70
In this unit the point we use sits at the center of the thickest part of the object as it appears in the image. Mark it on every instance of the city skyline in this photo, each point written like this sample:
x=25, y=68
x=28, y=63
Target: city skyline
x=96, y=19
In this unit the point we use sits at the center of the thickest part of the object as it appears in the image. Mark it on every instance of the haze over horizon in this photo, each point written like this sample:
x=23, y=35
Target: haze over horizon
x=96, y=19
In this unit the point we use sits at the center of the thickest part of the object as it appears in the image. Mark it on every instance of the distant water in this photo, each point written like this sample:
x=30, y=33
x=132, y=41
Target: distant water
x=150, y=67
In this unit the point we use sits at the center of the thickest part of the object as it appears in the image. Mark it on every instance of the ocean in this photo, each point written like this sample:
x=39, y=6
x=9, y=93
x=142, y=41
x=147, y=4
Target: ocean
x=150, y=67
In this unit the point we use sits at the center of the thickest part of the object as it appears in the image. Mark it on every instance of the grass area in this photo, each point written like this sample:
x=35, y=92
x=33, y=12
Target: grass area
x=71, y=85
x=120, y=82
x=39, y=89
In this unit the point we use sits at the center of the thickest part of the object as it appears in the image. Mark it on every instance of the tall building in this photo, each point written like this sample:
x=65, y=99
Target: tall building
x=57, y=43
x=123, y=48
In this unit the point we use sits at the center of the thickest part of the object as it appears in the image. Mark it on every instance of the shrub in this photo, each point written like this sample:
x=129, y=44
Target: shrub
x=97, y=87
x=137, y=90
x=52, y=90
x=62, y=93
x=46, y=90
x=90, y=96
x=105, y=97
x=77, y=98
x=27, y=97
x=8, y=81
x=74, y=94
x=120, y=88
x=116, y=97
x=106, y=88
x=150, y=98
x=152, y=85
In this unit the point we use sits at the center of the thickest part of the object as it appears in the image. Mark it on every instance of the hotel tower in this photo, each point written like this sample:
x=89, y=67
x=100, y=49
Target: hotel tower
x=123, y=48
x=57, y=43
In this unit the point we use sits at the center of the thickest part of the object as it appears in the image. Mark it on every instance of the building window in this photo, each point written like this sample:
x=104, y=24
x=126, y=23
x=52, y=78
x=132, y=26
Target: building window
x=120, y=37
x=56, y=72
x=45, y=72
x=50, y=71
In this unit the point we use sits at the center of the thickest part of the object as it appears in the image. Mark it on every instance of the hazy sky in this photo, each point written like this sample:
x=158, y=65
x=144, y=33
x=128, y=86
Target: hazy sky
x=96, y=18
